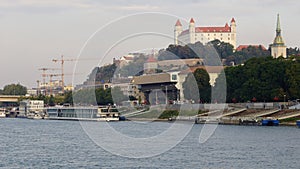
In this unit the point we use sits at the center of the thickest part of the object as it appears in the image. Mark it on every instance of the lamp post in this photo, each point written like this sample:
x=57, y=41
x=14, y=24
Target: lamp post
x=166, y=94
x=284, y=101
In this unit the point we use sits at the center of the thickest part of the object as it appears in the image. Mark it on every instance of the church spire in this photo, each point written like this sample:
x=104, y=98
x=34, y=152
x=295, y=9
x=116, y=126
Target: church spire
x=278, y=39
x=278, y=48
x=278, y=29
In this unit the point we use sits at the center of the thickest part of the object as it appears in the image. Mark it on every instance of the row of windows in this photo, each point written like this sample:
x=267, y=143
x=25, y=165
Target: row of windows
x=213, y=38
x=209, y=34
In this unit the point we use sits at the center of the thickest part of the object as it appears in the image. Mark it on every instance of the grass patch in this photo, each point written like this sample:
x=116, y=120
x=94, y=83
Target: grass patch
x=293, y=119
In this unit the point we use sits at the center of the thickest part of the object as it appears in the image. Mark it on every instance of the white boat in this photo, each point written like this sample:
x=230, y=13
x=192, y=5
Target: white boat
x=108, y=113
x=3, y=113
x=71, y=113
x=37, y=117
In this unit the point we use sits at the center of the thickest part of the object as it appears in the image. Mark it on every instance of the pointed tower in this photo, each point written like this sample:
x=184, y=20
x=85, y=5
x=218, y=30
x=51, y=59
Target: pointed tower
x=192, y=30
x=278, y=47
x=177, y=31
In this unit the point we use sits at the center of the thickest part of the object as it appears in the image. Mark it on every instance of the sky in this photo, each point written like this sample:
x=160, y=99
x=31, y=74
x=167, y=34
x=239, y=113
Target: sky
x=33, y=32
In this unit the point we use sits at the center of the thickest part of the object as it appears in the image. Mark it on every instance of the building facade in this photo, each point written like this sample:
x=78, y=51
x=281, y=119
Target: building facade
x=278, y=47
x=205, y=34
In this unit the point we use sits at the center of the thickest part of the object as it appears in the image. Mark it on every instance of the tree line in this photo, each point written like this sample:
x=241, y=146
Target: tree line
x=263, y=79
x=224, y=51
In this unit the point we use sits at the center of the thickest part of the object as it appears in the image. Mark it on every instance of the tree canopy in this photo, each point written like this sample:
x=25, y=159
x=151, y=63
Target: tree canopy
x=196, y=86
x=215, y=49
x=14, y=89
x=263, y=79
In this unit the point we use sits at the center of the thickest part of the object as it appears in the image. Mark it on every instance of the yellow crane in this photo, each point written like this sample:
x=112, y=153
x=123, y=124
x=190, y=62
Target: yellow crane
x=62, y=61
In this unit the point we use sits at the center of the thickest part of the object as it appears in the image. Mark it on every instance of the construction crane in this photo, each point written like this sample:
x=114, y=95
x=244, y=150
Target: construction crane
x=44, y=73
x=50, y=80
x=62, y=61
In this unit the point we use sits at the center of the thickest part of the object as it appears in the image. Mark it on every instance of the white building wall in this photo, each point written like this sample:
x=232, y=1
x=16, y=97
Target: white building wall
x=277, y=51
x=204, y=38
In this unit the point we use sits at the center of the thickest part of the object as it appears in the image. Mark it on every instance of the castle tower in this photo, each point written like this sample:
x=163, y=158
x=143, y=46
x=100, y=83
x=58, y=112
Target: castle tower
x=192, y=30
x=278, y=47
x=177, y=31
x=233, y=32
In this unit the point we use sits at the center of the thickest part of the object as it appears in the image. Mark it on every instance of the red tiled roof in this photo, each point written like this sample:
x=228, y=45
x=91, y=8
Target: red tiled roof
x=178, y=23
x=151, y=59
x=209, y=29
x=241, y=47
x=212, y=29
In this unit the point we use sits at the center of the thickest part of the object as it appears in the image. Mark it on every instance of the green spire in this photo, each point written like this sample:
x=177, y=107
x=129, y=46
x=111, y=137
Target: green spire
x=278, y=41
x=278, y=29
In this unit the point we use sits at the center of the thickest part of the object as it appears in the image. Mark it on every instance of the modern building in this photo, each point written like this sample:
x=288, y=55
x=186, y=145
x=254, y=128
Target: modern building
x=159, y=88
x=205, y=34
x=278, y=48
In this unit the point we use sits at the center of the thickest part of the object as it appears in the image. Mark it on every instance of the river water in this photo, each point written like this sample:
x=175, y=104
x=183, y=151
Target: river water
x=64, y=144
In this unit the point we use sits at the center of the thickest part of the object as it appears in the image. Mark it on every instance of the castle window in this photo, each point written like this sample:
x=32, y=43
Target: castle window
x=207, y=34
x=221, y=34
x=221, y=38
x=228, y=34
x=228, y=38
x=214, y=34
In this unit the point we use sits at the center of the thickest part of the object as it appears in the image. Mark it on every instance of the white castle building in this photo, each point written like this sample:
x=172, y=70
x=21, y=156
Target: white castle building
x=205, y=34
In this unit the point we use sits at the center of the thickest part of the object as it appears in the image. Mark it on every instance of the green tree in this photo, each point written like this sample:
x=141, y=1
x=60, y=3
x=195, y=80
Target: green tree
x=118, y=96
x=103, y=97
x=14, y=89
x=68, y=97
x=51, y=101
x=263, y=78
x=224, y=49
x=198, y=81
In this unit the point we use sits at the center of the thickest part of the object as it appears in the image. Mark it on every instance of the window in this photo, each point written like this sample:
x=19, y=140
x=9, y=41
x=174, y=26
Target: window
x=174, y=77
x=228, y=38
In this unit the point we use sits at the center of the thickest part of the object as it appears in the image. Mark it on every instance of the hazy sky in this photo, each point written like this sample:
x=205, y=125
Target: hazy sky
x=33, y=32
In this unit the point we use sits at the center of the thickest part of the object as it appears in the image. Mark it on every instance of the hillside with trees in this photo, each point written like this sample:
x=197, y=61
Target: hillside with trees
x=214, y=48
x=263, y=79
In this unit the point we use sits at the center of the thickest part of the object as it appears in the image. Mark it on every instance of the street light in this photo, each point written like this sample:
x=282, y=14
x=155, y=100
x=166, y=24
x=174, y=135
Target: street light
x=284, y=101
x=166, y=94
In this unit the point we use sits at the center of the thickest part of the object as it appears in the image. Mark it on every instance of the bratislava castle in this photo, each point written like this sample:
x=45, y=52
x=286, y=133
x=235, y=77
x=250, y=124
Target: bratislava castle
x=278, y=47
x=205, y=34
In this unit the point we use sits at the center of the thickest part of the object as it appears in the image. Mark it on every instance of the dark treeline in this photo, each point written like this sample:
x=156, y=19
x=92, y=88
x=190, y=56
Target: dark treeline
x=215, y=48
x=263, y=79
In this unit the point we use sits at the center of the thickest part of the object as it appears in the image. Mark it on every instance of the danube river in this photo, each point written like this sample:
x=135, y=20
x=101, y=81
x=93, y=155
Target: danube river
x=64, y=144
